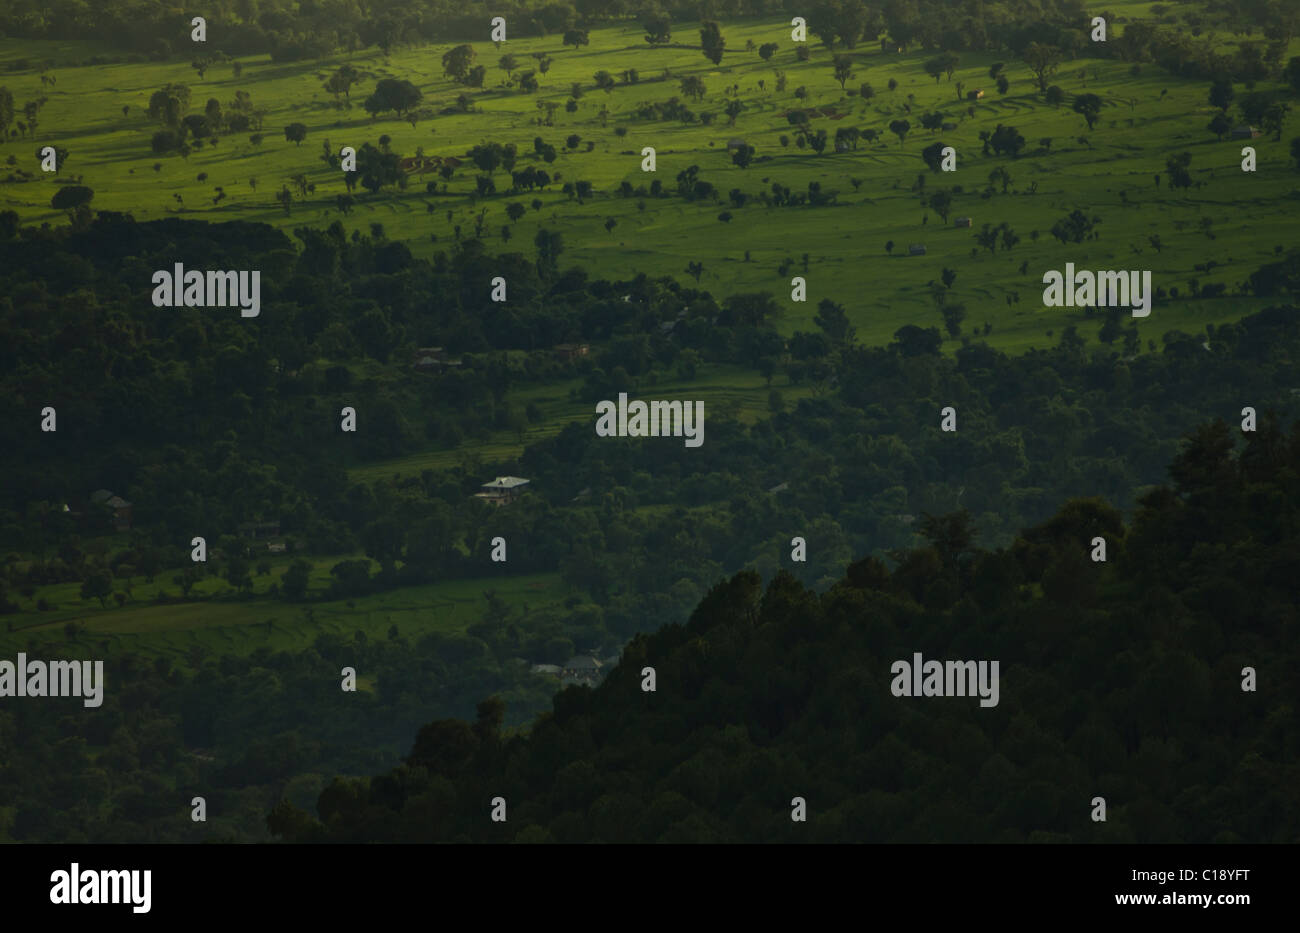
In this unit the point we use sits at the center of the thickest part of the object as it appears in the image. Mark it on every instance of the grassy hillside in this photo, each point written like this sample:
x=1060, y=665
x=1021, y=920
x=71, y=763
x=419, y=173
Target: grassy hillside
x=1107, y=172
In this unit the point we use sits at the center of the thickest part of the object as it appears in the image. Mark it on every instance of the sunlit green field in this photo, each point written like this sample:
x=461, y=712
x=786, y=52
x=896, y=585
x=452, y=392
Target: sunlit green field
x=187, y=632
x=727, y=391
x=1147, y=118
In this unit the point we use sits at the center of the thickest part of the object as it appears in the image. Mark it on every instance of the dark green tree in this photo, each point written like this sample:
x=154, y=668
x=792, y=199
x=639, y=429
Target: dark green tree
x=711, y=41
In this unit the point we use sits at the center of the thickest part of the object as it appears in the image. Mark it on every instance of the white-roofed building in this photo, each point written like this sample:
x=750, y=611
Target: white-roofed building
x=503, y=489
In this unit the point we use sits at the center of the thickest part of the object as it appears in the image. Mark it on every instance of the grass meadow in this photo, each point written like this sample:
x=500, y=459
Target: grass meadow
x=222, y=623
x=1108, y=172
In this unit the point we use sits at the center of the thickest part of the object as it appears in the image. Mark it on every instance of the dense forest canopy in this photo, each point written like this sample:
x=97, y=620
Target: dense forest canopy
x=206, y=419
x=1119, y=679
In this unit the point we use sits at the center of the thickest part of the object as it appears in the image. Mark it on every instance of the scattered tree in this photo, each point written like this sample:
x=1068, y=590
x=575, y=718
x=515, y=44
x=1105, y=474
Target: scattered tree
x=341, y=81
x=1089, y=107
x=941, y=204
x=456, y=62
x=71, y=197
x=932, y=155
x=1222, y=94
x=711, y=41
x=658, y=28
x=1043, y=60
x=393, y=94
x=843, y=69
x=97, y=585
x=1177, y=168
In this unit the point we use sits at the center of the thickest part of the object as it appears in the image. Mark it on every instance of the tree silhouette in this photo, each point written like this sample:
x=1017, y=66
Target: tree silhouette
x=711, y=41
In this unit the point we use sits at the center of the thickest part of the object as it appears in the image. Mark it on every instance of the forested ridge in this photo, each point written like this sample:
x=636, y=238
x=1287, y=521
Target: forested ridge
x=206, y=420
x=1120, y=679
